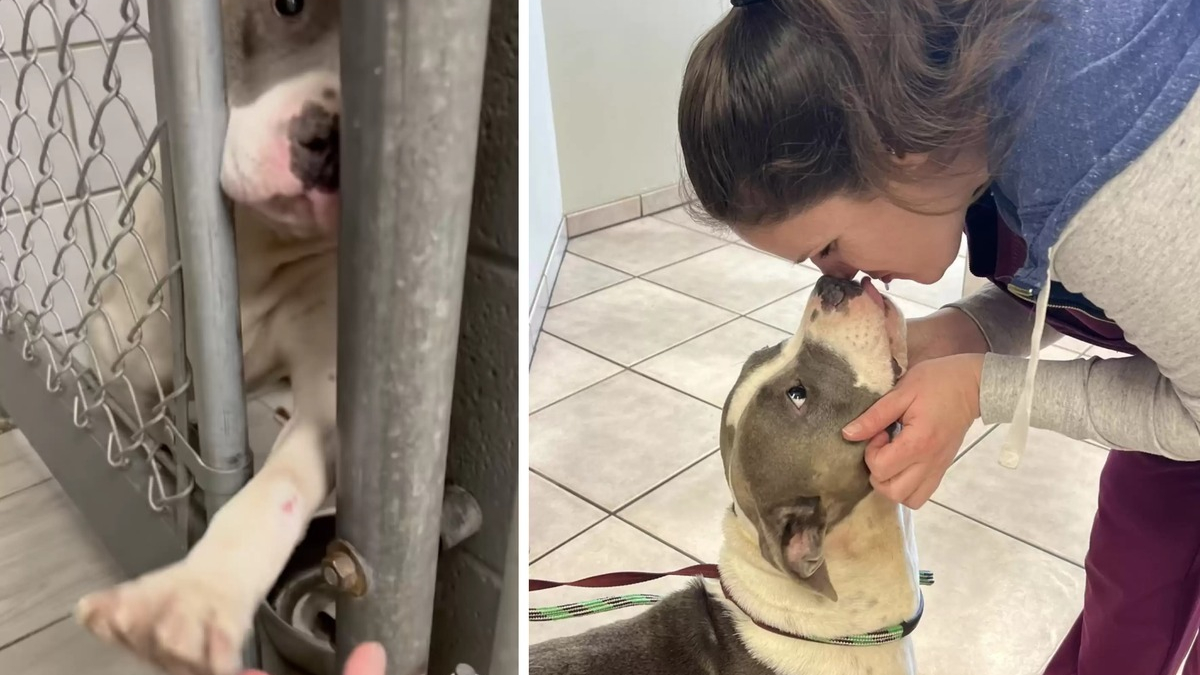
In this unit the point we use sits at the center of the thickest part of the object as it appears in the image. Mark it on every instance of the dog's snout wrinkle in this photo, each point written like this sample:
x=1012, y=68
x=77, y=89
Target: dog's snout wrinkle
x=315, y=147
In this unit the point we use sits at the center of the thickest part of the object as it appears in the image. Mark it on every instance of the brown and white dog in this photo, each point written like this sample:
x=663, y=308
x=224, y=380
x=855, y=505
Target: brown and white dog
x=280, y=167
x=809, y=548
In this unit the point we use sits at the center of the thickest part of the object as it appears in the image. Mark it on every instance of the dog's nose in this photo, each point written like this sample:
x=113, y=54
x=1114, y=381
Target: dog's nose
x=834, y=292
x=315, y=147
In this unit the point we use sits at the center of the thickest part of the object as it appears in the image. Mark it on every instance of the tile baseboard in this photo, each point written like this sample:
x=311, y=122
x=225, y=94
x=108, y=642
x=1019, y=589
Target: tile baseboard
x=605, y=215
x=663, y=199
x=626, y=209
x=541, y=299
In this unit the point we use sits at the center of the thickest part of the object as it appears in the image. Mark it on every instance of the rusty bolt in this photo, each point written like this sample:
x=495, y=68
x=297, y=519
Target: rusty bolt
x=341, y=572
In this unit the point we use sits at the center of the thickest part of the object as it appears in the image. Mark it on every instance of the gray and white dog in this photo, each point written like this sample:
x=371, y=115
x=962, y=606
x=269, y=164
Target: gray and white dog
x=280, y=167
x=809, y=549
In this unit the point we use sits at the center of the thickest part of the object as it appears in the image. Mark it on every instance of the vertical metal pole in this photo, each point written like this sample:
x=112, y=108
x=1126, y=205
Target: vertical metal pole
x=411, y=78
x=192, y=98
x=190, y=94
x=179, y=407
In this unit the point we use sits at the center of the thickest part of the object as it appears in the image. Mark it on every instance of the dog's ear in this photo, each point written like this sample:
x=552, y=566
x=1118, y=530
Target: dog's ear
x=801, y=525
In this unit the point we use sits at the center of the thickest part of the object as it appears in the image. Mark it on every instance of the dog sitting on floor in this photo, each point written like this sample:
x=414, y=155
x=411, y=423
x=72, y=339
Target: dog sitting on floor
x=280, y=168
x=810, y=553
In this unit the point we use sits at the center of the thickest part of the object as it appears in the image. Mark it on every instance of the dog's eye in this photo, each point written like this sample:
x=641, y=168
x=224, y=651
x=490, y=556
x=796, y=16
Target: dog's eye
x=289, y=8
x=797, y=394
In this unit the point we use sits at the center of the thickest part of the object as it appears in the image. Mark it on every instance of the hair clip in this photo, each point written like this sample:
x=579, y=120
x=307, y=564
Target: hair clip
x=743, y=3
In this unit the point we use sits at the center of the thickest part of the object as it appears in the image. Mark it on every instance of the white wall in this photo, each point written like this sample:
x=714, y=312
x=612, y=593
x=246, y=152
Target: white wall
x=545, y=190
x=615, y=71
x=41, y=219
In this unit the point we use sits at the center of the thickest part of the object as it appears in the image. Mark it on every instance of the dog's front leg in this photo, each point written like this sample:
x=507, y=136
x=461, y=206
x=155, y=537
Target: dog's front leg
x=193, y=616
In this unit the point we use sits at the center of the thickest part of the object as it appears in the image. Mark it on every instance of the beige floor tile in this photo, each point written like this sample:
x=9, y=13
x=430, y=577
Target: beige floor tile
x=20, y=467
x=49, y=560
x=1073, y=344
x=611, y=546
x=998, y=607
x=680, y=216
x=66, y=649
x=736, y=278
x=1057, y=353
x=1048, y=501
x=977, y=432
x=555, y=516
x=580, y=276
x=910, y=309
x=785, y=313
x=642, y=245
x=560, y=369
x=618, y=439
x=632, y=321
x=687, y=511
x=1106, y=353
x=708, y=366
x=947, y=289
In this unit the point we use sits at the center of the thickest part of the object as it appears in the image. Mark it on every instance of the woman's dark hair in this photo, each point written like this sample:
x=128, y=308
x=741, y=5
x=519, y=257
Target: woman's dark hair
x=787, y=102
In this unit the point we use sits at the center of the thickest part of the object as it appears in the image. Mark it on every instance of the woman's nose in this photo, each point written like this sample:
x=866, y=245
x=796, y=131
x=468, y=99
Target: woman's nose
x=835, y=268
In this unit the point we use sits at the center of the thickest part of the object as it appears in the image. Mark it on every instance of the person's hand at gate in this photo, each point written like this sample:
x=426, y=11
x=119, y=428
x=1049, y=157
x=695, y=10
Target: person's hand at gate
x=936, y=402
x=368, y=658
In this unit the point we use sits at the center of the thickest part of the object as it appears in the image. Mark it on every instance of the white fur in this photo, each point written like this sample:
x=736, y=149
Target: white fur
x=288, y=303
x=255, y=166
x=853, y=334
x=871, y=557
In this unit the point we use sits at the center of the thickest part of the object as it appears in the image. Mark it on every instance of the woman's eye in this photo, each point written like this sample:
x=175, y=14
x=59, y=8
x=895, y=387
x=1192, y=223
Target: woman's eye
x=289, y=8
x=797, y=394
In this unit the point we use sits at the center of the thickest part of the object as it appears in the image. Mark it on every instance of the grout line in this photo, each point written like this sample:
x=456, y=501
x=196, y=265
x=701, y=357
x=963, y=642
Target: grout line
x=660, y=540
x=614, y=512
x=666, y=480
x=27, y=487
x=578, y=391
x=1010, y=535
x=34, y=632
x=534, y=561
x=628, y=278
x=974, y=444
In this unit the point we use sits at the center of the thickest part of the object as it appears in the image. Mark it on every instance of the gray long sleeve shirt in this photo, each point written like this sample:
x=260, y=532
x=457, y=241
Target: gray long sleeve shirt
x=1134, y=250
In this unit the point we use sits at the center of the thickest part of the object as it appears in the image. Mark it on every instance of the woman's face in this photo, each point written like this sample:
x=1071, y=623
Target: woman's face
x=845, y=235
x=842, y=237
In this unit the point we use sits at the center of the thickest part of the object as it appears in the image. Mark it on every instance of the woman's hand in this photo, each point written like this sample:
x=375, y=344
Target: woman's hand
x=935, y=402
x=366, y=659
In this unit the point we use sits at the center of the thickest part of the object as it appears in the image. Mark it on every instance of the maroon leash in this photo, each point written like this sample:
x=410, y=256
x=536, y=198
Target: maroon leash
x=614, y=579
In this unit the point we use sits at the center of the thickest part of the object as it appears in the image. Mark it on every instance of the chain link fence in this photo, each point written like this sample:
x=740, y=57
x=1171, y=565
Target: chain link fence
x=90, y=281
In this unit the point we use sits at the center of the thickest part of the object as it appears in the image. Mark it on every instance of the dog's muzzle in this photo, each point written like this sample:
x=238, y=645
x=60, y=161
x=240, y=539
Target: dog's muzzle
x=835, y=292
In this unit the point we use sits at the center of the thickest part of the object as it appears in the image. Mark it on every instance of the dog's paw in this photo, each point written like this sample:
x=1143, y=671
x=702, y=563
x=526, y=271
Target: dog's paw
x=174, y=619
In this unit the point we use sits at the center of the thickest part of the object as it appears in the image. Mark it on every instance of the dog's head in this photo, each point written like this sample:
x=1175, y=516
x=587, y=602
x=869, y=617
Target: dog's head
x=284, y=93
x=792, y=474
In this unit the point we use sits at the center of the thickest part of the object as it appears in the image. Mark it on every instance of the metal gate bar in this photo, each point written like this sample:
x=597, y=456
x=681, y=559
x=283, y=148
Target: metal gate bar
x=412, y=79
x=191, y=94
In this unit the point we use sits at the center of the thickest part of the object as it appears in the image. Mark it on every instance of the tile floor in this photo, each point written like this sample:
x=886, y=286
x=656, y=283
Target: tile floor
x=49, y=559
x=648, y=327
